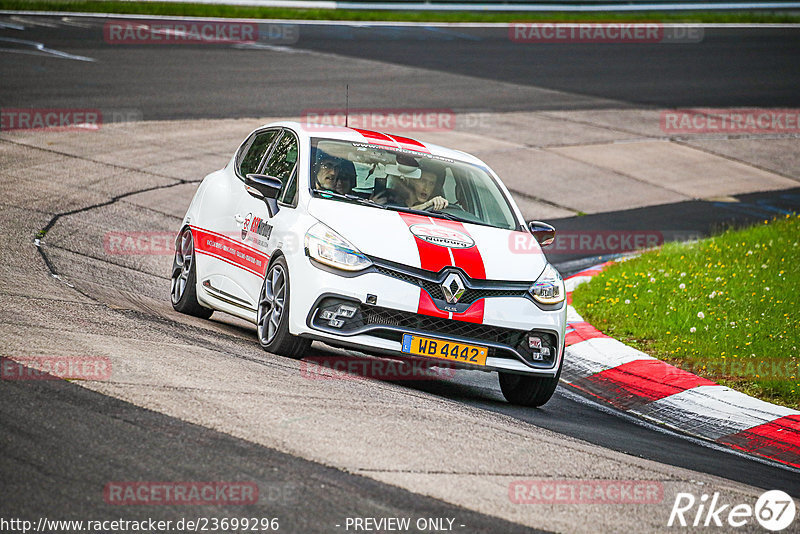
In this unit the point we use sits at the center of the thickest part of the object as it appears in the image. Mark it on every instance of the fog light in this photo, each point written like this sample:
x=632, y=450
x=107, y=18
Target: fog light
x=534, y=342
x=327, y=314
x=545, y=351
x=336, y=323
x=346, y=311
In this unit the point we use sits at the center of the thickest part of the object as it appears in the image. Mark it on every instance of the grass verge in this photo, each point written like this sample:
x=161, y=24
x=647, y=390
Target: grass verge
x=208, y=10
x=726, y=308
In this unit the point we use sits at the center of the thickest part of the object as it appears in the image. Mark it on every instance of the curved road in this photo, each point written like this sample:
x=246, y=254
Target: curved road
x=117, y=305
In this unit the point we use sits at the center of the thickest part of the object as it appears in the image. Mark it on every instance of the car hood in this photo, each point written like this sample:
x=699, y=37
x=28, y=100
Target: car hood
x=432, y=243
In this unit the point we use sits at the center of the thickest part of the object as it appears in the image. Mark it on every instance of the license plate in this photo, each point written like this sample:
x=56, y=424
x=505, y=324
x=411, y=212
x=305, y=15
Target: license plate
x=445, y=350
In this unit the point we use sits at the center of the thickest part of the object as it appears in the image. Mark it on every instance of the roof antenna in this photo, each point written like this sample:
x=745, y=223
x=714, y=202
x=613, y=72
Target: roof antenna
x=347, y=105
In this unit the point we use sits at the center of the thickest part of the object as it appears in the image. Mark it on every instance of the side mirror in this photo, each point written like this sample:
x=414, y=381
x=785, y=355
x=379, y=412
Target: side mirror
x=266, y=188
x=262, y=186
x=543, y=232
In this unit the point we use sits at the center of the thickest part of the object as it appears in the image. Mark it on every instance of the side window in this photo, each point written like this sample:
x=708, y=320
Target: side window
x=281, y=164
x=290, y=191
x=283, y=158
x=254, y=152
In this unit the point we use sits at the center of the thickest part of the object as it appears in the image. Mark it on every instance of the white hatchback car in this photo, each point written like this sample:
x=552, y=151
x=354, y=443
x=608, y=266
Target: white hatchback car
x=378, y=243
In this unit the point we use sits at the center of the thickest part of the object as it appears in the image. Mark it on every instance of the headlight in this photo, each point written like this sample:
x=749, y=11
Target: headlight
x=549, y=288
x=328, y=247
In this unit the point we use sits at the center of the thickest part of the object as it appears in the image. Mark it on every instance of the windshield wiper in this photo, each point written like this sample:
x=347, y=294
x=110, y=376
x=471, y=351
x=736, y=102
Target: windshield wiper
x=452, y=217
x=449, y=216
x=347, y=196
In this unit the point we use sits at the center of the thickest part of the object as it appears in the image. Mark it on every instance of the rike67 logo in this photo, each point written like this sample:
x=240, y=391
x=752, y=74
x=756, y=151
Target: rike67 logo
x=774, y=510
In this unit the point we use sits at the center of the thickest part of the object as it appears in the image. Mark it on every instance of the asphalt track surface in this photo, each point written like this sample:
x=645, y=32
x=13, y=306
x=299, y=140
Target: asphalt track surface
x=88, y=440
x=747, y=67
x=729, y=67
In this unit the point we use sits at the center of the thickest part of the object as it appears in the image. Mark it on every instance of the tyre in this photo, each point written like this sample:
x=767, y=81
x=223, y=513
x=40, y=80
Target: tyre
x=273, y=314
x=184, y=279
x=528, y=390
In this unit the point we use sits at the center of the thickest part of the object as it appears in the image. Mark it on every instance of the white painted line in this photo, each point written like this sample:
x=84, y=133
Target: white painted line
x=712, y=411
x=11, y=26
x=34, y=22
x=42, y=48
x=376, y=23
x=24, y=52
x=69, y=21
x=263, y=46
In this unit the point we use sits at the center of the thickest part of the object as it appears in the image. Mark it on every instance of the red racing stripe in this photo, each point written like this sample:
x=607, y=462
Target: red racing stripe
x=778, y=440
x=639, y=382
x=411, y=144
x=468, y=259
x=473, y=314
x=427, y=307
x=230, y=251
x=434, y=258
x=431, y=257
x=377, y=138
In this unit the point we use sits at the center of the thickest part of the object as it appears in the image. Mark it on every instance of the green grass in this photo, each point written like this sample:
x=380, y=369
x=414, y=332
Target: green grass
x=726, y=308
x=206, y=10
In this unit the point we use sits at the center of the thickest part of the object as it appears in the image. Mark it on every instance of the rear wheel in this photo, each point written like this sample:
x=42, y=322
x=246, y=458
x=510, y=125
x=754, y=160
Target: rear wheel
x=184, y=279
x=273, y=314
x=526, y=390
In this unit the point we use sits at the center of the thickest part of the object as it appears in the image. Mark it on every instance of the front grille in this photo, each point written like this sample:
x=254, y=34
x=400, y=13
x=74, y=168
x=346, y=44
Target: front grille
x=471, y=294
x=390, y=324
x=440, y=325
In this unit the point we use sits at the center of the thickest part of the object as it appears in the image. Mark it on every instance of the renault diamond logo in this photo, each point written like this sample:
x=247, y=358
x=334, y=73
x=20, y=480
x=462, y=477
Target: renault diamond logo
x=453, y=288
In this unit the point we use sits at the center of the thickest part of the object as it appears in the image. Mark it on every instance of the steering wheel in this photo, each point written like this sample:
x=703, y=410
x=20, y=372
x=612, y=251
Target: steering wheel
x=451, y=206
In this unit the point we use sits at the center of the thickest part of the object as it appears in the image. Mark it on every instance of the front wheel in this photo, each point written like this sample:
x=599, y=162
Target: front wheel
x=273, y=314
x=528, y=390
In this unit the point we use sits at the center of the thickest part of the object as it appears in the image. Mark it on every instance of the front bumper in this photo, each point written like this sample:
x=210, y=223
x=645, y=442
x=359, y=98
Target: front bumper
x=386, y=307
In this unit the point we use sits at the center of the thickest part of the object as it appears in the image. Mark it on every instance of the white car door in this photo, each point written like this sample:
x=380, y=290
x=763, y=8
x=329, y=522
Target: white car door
x=256, y=221
x=238, y=263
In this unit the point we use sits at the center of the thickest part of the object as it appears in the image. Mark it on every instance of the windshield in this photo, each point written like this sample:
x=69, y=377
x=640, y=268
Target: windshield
x=402, y=180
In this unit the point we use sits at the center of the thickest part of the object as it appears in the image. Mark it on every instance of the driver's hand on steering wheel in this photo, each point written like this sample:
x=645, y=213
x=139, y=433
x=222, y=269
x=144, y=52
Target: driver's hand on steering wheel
x=436, y=203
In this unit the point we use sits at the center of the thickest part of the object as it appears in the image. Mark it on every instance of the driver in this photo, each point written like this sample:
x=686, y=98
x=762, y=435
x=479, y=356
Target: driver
x=332, y=176
x=426, y=191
